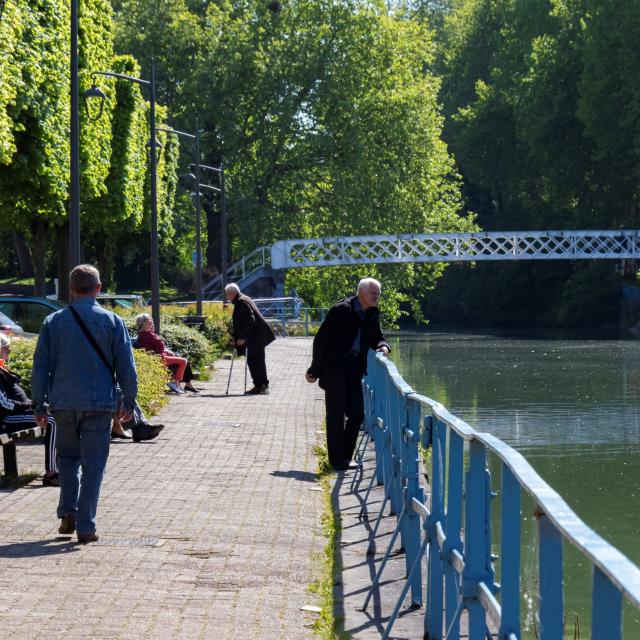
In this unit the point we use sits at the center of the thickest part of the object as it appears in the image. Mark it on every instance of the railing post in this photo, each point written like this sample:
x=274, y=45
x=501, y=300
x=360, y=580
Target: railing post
x=477, y=556
x=453, y=527
x=412, y=490
x=306, y=322
x=550, y=579
x=606, y=611
x=378, y=399
x=510, y=554
x=433, y=611
x=393, y=420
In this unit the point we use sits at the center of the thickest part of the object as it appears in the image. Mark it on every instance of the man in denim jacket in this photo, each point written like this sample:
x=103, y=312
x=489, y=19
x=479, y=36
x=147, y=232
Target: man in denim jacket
x=70, y=379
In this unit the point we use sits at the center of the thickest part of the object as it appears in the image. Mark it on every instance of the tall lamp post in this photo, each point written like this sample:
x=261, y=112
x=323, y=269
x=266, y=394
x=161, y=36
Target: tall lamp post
x=196, y=138
x=74, y=183
x=223, y=219
x=94, y=92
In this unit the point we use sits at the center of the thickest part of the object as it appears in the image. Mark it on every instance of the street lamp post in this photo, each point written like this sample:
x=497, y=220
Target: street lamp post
x=74, y=183
x=155, y=262
x=196, y=138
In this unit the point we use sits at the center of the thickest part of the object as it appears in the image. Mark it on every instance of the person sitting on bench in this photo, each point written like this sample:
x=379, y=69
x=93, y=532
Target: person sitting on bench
x=16, y=413
x=152, y=342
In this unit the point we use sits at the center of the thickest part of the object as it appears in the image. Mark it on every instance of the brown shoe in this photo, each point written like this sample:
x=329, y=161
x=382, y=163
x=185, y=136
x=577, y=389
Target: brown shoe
x=68, y=524
x=83, y=538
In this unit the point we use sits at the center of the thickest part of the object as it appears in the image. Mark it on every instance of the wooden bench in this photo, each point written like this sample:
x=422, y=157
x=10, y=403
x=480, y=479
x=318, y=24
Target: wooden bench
x=8, y=442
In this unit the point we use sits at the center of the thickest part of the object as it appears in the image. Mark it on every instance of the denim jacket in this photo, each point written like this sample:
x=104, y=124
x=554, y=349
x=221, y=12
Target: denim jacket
x=68, y=374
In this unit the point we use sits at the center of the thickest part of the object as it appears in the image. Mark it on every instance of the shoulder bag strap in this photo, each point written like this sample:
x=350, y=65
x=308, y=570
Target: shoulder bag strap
x=93, y=342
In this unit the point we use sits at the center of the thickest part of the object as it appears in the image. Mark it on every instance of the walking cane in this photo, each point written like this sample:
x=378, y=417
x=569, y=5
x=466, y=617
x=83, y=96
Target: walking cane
x=233, y=356
x=246, y=357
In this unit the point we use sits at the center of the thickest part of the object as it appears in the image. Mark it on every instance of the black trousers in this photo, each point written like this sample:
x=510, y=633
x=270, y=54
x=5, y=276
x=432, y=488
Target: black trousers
x=343, y=399
x=17, y=421
x=257, y=365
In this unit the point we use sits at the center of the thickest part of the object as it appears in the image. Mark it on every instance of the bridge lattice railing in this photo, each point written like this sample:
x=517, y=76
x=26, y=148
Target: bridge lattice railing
x=456, y=247
x=460, y=570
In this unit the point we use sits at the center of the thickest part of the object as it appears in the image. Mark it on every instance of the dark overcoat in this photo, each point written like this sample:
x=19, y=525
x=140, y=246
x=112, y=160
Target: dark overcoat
x=336, y=336
x=249, y=324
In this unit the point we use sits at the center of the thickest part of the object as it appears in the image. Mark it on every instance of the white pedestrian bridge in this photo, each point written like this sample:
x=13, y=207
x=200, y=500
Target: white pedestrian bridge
x=266, y=261
x=456, y=247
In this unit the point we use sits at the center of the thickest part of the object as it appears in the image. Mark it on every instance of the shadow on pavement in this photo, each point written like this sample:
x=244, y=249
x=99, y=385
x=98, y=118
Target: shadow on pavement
x=221, y=395
x=34, y=548
x=304, y=476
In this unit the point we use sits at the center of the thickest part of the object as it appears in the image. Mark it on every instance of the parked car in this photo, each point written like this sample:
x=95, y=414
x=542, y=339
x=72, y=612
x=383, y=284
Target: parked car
x=29, y=311
x=122, y=301
x=7, y=323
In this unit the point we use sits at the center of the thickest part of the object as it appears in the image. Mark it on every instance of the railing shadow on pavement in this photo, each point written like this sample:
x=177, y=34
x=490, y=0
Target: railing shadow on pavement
x=430, y=520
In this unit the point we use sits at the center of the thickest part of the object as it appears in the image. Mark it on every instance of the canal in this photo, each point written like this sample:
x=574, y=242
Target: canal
x=571, y=406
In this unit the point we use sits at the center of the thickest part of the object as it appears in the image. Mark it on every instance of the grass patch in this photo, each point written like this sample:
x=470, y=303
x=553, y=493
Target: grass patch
x=14, y=482
x=328, y=626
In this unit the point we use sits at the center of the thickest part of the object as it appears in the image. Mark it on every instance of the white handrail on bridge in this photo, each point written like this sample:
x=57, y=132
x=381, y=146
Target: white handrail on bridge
x=241, y=269
x=456, y=247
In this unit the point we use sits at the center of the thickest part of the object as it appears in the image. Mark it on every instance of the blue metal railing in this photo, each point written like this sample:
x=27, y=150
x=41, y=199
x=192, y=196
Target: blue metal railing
x=460, y=568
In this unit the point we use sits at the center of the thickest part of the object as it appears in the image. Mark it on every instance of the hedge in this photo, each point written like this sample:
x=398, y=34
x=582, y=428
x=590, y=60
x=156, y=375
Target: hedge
x=152, y=374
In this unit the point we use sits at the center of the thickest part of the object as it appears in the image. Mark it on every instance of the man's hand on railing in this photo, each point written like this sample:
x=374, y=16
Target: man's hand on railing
x=382, y=349
x=309, y=378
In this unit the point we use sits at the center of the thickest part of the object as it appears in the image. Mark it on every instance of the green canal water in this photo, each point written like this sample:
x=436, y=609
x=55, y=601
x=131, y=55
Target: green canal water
x=572, y=408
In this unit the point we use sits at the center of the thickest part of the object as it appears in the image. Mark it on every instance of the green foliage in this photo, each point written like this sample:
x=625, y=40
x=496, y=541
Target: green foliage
x=327, y=114
x=545, y=125
x=153, y=377
x=152, y=374
x=218, y=326
x=187, y=342
x=21, y=360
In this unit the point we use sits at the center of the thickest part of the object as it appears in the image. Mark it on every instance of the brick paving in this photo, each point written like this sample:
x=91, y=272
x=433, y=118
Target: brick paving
x=209, y=531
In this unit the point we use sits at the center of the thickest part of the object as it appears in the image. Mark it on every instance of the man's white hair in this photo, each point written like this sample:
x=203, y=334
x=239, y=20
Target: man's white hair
x=232, y=287
x=365, y=283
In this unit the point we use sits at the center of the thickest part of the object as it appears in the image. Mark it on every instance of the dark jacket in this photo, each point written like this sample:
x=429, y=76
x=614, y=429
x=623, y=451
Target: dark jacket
x=249, y=324
x=336, y=336
x=12, y=397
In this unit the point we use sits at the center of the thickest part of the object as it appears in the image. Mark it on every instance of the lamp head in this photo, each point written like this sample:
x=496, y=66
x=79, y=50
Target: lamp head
x=95, y=93
x=187, y=180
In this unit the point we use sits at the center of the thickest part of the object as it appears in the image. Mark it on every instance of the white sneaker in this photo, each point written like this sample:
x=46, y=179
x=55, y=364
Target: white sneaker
x=175, y=387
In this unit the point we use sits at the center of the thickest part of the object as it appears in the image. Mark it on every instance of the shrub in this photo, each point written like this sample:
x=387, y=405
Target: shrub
x=21, y=360
x=217, y=318
x=187, y=342
x=152, y=374
x=152, y=380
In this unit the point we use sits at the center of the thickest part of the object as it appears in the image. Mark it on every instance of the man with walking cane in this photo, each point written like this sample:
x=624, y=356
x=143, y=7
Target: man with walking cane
x=251, y=334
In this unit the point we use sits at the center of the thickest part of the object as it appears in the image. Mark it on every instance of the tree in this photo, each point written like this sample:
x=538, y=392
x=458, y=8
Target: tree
x=326, y=114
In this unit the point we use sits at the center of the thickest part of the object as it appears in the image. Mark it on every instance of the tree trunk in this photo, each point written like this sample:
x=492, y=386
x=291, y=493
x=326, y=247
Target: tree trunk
x=39, y=233
x=63, y=261
x=25, y=262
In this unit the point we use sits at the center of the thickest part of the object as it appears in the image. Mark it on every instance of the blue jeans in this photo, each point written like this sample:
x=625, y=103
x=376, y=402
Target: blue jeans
x=83, y=439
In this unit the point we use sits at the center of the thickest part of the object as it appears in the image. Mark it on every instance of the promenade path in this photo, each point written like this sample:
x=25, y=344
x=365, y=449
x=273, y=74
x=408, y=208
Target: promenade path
x=212, y=530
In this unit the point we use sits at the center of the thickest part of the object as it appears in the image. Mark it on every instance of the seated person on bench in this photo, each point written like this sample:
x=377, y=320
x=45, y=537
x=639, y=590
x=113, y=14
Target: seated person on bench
x=16, y=413
x=152, y=342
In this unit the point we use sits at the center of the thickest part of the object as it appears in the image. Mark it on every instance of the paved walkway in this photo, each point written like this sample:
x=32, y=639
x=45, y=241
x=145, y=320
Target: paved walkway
x=210, y=531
